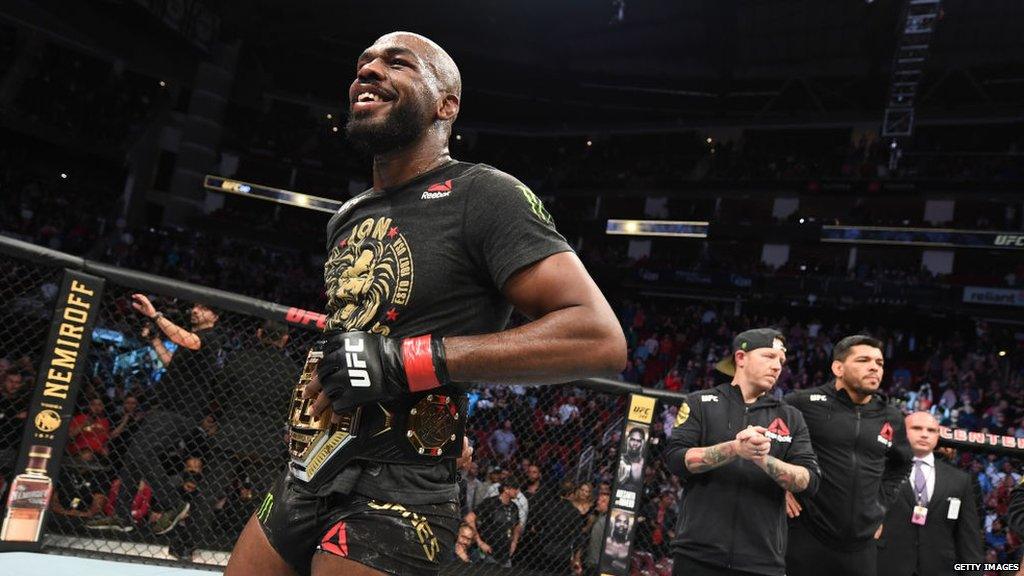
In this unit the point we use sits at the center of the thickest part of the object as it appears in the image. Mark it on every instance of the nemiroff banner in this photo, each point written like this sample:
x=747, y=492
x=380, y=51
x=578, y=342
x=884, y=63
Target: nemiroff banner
x=49, y=414
x=622, y=513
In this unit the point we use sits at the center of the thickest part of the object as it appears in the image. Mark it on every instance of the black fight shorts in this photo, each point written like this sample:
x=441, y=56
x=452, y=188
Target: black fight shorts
x=808, y=556
x=393, y=538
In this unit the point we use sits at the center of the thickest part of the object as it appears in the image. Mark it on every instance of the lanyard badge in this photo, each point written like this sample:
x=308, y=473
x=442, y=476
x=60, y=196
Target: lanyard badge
x=919, y=516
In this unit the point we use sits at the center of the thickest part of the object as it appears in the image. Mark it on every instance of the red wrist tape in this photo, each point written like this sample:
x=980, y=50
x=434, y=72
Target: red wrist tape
x=418, y=359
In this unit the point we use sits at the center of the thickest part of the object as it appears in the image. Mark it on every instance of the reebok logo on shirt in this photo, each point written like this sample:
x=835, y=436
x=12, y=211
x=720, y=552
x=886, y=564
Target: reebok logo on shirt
x=885, y=435
x=439, y=190
x=778, y=431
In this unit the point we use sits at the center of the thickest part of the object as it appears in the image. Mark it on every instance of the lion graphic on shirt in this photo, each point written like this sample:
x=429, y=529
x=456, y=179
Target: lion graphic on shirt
x=372, y=268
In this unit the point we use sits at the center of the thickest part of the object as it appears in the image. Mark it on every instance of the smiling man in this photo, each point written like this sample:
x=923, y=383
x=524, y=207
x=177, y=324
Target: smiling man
x=421, y=276
x=864, y=454
x=739, y=450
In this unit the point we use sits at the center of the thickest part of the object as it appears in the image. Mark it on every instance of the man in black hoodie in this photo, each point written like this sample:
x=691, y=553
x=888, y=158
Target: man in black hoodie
x=1015, y=513
x=739, y=451
x=861, y=444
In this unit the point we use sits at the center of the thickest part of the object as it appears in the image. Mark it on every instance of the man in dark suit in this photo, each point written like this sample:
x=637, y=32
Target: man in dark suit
x=934, y=524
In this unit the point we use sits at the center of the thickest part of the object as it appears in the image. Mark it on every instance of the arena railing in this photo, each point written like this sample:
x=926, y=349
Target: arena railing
x=216, y=439
x=134, y=439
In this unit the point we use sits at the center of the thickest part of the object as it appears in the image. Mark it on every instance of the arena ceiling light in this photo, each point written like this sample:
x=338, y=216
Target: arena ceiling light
x=276, y=195
x=665, y=228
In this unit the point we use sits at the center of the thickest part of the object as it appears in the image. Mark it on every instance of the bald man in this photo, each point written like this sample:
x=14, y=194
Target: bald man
x=421, y=276
x=934, y=524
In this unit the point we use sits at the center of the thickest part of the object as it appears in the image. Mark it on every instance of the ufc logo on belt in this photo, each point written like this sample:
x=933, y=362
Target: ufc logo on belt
x=357, y=374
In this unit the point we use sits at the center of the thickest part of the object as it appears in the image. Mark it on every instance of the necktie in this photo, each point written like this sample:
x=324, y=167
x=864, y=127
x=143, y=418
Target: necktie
x=920, y=483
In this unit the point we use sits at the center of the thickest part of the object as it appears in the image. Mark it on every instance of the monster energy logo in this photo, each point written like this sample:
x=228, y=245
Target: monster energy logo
x=535, y=204
x=268, y=504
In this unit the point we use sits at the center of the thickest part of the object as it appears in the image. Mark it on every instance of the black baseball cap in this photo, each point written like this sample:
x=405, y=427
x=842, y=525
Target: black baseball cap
x=216, y=310
x=750, y=340
x=759, y=338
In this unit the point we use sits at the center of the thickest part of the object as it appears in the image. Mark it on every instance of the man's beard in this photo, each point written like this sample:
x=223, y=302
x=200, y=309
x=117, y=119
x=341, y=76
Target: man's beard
x=400, y=128
x=859, y=388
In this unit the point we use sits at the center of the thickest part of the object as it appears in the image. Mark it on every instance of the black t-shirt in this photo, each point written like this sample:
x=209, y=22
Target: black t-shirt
x=235, y=513
x=541, y=497
x=561, y=528
x=257, y=381
x=10, y=425
x=185, y=387
x=78, y=487
x=495, y=522
x=118, y=446
x=539, y=502
x=430, y=257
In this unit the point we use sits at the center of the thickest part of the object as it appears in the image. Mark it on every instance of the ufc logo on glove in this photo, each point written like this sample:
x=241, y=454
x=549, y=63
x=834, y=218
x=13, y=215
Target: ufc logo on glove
x=357, y=374
x=390, y=399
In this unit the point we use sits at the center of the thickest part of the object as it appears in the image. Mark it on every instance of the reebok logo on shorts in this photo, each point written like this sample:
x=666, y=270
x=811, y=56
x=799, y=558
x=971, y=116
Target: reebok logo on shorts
x=336, y=540
x=439, y=190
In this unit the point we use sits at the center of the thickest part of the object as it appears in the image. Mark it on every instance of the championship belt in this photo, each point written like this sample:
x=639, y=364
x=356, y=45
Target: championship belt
x=423, y=428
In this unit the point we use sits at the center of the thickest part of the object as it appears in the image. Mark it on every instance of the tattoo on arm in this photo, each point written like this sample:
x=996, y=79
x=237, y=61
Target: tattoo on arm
x=708, y=458
x=788, y=476
x=161, y=351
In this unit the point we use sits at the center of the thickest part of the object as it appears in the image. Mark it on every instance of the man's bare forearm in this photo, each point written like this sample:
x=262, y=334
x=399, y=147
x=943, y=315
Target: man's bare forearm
x=573, y=342
x=161, y=351
x=708, y=458
x=788, y=476
x=177, y=334
x=515, y=543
